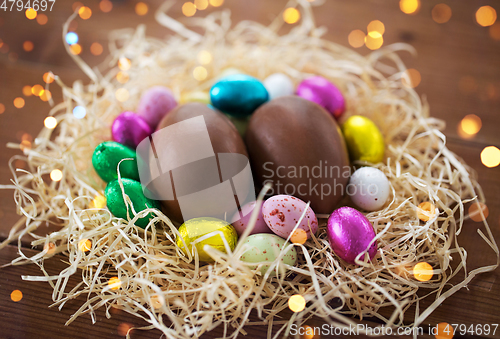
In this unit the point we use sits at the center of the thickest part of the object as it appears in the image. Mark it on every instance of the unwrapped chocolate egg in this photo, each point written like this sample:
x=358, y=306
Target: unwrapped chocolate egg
x=278, y=85
x=238, y=95
x=364, y=140
x=241, y=220
x=107, y=155
x=296, y=145
x=282, y=212
x=350, y=233
x=116, y=203
x=155, y=103
x=266, y=248
x=321, y=91
x=196, y=228
x=130, y=129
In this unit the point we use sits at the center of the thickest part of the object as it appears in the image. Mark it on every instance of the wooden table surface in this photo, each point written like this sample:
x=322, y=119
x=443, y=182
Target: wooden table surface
x=459, y=65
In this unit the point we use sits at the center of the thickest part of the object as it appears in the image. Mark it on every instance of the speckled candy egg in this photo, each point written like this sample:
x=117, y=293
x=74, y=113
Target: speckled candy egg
x=196, y=228
x=363, y=139
x=154, y=104
x=266, y=248
x=130, y=129
x=349, y=233
x=241, y=219
x=321, y=91
x=278, y=85
x=368, y=188
x=282, y=212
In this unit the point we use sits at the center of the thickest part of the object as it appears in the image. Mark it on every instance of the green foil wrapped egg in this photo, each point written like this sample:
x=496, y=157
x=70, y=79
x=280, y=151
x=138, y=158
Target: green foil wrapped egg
x=198, y=227
x=265, y=247
x=107, y=155
x=364, y=140
x=132, y=188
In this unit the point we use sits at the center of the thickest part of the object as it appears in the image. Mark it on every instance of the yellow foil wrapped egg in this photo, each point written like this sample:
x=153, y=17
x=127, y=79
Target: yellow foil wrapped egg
x=195, y=96
x=364, y=140
x=196, y=228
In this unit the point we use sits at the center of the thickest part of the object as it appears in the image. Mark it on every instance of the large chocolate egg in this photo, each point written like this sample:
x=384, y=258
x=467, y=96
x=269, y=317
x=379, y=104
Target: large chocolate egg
x=297, y=145
x=189, y=164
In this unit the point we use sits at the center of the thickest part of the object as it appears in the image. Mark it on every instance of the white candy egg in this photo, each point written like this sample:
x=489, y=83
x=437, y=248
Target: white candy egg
x=368, y=188
x=278, y=85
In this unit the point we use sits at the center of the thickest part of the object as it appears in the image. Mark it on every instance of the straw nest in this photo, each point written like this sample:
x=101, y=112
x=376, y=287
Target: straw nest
x=172, y=291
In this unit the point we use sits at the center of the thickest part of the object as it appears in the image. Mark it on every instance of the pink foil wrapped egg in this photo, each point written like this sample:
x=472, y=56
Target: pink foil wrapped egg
x=240, y=223
x=154, y=104
x=321, y=91
x=349, y=233
x=130, y=129
x=282, y=212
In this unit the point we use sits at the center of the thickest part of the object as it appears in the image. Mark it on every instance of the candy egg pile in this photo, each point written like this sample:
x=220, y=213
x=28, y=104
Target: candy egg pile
x=308, y=139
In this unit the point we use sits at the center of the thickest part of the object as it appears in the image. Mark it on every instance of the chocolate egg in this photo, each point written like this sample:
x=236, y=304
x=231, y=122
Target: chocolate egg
x=106, y=157
x=297, y=145
x=241, y=220
x=364, y=140
x=349, y=233
x=321, y=91
x=191, y=142
x=155, y=103
x=196, y=228
x=130, y=129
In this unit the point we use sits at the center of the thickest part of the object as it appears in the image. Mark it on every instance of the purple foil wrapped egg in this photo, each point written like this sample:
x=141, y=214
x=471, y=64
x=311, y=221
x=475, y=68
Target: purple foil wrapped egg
x=154, y=104
x=321, y=91
x=282, y=212
x=240, y=223
x=349, y=233
x=130, y=129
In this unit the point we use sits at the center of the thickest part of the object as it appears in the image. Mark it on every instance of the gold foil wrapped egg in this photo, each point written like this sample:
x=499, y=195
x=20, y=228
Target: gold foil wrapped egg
x=364, y=140
x=196, y=228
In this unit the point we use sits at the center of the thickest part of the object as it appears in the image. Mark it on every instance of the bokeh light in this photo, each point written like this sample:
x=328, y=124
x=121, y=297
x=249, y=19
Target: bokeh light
x=444, y=331
x=141, y=8
x=296, y=303
x=299, y=236
x=16, y=295
x=475, y=211
x=48, y=77
x=122, y=77
x=75, y=49
x=31, y=13
x=84, y=12
x=105, y=6
x=376, y=26
x=291, y=15
x=200, y=73
x=124, y=329
x=37, y=90
x=98, y=202
x=494, y=31
x=96, y=48
x=216, y=3
x=2, y=108
x=84, y=245
x=411, y=78
x=114, y=283
x=486, y=16
x=49, y=248
x=374, y=43
x=469, y=126
x=79, y=112
x=42, y=19
x=441, y=13
x=27, y=91
x=490, y=156
x=188, y=9
x=426, y=211
x=308, y=332
x=356, y=38
x=156, y=301
x=28, y=46
x=71, y=38
x=204, y=57
x=423, y=271
x=46, y=95
x=201, y=4
x=25, y=145
x=121, y=94
x=409, y=6
x=56, y=175
x=124, y=64
x=19, y=102
x=50, y=122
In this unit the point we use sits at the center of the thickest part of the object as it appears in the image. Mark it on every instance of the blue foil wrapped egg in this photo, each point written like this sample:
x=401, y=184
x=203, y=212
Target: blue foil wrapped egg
x=238, y=95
